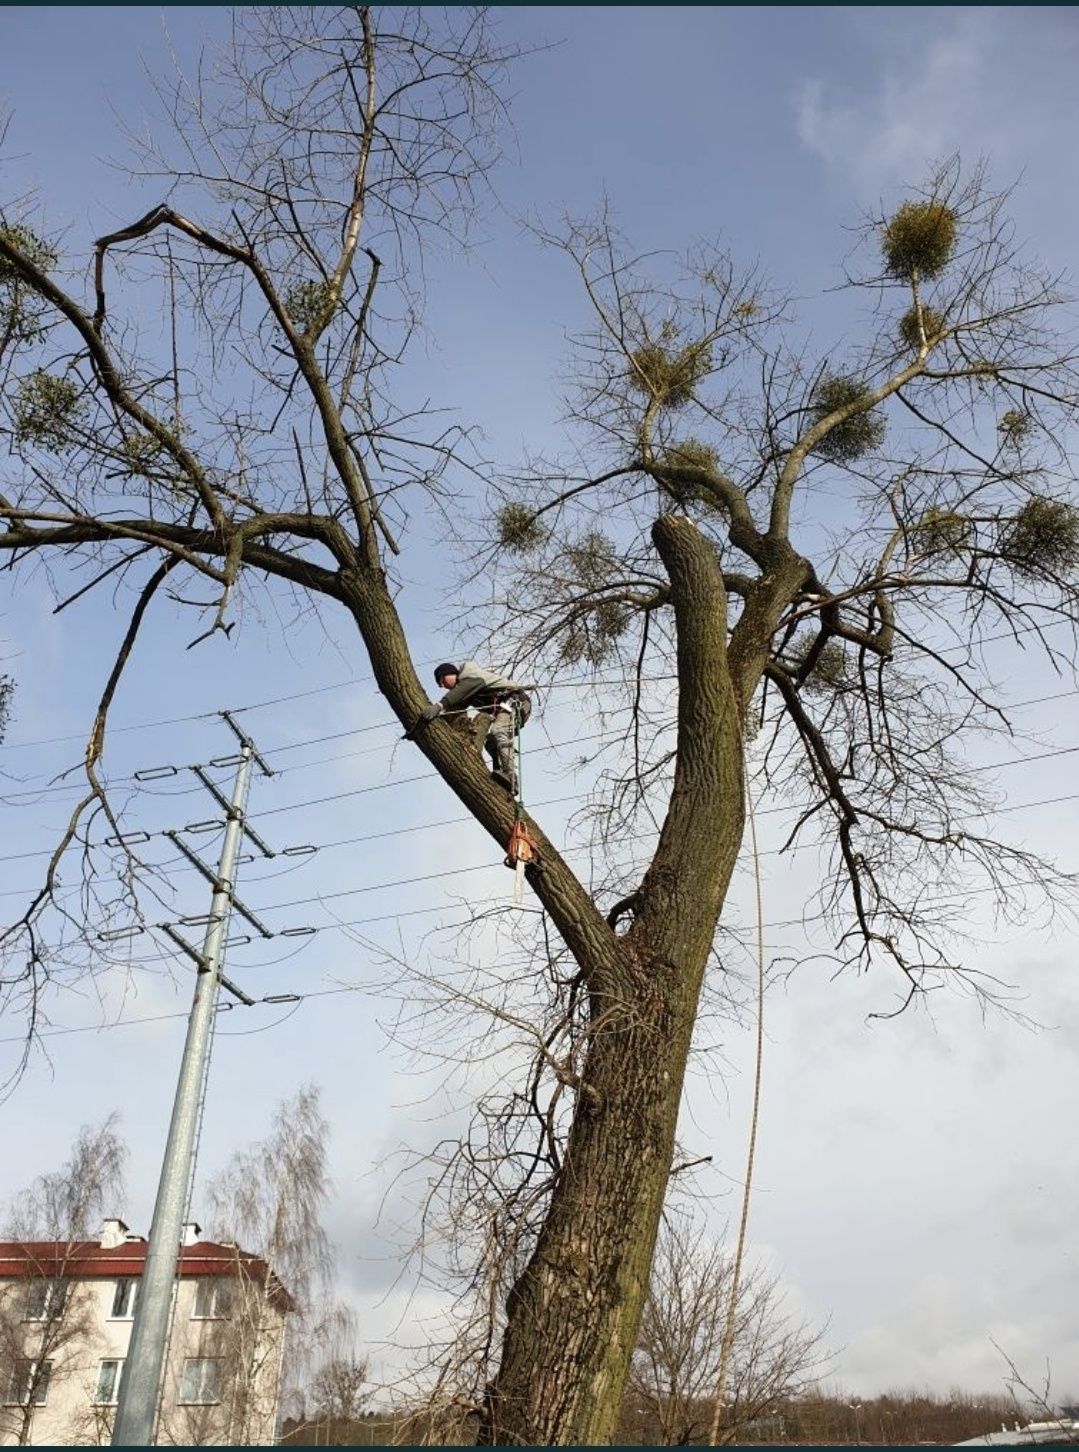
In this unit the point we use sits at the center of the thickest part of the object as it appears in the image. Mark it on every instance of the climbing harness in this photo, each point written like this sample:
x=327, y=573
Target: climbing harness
x=522, y=848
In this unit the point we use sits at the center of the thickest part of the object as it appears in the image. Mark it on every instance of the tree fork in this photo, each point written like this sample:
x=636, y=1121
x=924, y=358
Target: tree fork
x=574, y=1313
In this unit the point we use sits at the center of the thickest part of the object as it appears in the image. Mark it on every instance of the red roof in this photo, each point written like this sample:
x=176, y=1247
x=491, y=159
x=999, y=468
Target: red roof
x=88, y=1259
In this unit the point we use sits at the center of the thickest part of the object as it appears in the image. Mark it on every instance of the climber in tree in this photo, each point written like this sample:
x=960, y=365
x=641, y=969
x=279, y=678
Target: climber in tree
x=502, y=707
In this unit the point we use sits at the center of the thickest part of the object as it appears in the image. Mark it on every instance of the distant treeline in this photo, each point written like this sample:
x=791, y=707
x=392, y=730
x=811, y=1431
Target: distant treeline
x=831, y=1418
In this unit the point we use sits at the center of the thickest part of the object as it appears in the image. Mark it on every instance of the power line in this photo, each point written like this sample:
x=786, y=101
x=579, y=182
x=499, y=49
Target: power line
x=488, y=865
x=135, y=777
x=467, y=818
x=480, y=866
x=95, y=1027
x=275, y=999
x=142, y=775
x=557, y=745
x=457, y=871
x=270, y=999
x=80, y=736
x=314, y=802
x=196, y=716
x=138, y=779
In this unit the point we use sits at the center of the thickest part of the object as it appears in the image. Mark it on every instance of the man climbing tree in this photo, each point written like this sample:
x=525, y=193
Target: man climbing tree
x=502, y=709
x=816, y=551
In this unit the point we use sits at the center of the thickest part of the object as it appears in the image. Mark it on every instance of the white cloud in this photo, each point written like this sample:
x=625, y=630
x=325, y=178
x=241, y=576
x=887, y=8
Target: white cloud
x=943, y=1336
x=974, y=81
x=916, y=115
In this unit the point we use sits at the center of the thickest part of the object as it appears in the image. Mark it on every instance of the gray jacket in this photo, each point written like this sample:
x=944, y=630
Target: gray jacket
x=476, y=687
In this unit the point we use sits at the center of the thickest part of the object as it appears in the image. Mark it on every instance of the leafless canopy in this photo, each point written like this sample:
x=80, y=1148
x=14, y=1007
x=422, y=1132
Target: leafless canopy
x=830, y=558
x=775, y=1358
x=253, y=436
x=917, y=488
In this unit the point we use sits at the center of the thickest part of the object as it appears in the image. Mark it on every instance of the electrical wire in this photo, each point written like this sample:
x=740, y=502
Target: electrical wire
x=278, y=998
x=453, y=821
x=368, y=680
x=389, y=833
x=466, y=819
x=133, y=779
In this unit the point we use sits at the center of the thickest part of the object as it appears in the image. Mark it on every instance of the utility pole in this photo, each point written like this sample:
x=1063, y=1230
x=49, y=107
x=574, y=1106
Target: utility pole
x=140, y=1383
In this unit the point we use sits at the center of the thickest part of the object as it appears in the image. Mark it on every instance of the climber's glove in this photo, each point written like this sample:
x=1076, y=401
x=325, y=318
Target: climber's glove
x=426, y=716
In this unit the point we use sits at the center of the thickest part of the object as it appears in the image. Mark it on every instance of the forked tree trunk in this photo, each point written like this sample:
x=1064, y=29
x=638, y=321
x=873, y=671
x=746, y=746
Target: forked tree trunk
x=574, y=1313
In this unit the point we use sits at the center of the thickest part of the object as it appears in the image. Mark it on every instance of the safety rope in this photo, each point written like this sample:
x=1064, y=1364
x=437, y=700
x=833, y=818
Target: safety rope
x=519, y=799
x=736, y=1272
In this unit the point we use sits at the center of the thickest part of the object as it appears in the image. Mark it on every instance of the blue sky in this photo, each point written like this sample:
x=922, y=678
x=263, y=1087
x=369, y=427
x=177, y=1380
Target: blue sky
x=914, y=1175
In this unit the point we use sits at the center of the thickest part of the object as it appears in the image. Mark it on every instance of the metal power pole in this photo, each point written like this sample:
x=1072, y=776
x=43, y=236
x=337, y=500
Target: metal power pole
x=141, y=1380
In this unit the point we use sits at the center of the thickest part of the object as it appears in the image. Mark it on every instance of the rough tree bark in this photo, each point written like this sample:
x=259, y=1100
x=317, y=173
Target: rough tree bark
x=573, y=1314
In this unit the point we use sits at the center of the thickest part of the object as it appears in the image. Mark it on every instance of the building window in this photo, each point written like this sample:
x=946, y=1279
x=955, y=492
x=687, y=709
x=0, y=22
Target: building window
x=45, y=1300
x=213, y=1299
x=108, y=1383
x=123, y=1299
x=201, y=1380
x=28, y=1383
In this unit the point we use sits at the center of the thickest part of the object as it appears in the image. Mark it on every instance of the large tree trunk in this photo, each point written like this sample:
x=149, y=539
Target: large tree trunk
x=572, y=1316
x=574, y=1313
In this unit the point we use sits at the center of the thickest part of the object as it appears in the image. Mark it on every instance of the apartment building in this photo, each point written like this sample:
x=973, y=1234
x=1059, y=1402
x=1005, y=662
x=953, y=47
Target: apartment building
x=66, y=1312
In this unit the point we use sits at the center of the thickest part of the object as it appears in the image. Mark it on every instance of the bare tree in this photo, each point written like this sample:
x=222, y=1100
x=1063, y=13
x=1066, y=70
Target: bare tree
x=48, y=1319
x=269, y=1200
x=1030, y=1402
x=339, y=1388
x=672, y=1380
x=854, y=638
x=339, y=1392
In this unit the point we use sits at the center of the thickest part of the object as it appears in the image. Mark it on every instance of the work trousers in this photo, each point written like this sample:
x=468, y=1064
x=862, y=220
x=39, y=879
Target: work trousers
x=496, y=733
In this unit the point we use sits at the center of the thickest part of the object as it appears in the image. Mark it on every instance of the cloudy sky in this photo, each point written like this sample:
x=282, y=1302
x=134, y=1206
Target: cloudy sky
x=916, y=1177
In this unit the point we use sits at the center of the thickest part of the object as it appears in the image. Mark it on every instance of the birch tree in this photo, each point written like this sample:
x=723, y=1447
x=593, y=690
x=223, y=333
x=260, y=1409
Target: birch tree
x=269, y=1201
x=48, y=1315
